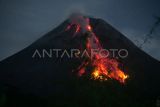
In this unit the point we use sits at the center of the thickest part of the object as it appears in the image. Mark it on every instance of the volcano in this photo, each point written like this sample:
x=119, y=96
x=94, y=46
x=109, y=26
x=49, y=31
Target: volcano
x=28, y=78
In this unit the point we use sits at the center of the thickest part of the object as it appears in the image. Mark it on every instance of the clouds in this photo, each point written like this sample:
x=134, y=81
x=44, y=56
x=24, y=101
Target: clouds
x=24, y=21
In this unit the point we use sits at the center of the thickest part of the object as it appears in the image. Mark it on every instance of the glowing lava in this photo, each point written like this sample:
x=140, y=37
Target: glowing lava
x=102, y=68
x=89, y=28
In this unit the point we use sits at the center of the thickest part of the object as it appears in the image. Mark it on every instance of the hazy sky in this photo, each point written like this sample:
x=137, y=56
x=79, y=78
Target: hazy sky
x=24, y=21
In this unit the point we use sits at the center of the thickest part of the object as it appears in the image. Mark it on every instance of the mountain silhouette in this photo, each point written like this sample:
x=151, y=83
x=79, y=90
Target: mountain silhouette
x=50, y=81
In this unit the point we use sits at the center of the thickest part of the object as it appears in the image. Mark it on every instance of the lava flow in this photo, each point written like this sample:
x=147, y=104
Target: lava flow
x=102, y=68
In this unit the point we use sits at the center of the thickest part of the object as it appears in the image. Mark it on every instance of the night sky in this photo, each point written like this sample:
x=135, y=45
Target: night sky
x=24, y=21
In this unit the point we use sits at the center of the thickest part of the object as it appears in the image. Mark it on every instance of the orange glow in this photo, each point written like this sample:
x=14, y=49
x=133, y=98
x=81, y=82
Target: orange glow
x=89, y=28
x=107, y=68
x=104, y=68
x=96, y=74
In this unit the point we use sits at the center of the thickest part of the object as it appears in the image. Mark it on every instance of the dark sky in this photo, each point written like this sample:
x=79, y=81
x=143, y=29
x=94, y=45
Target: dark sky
x=24, y=21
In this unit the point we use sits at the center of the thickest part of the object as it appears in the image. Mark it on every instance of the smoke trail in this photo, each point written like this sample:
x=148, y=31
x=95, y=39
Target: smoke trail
x=78, y=18
x=152, y=30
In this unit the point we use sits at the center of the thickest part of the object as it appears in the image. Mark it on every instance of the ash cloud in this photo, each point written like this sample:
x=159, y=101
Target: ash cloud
x=78, y=18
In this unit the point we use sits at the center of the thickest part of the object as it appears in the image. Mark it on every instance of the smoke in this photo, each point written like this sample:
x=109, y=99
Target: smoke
x=152, y=30
x=78, y=18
